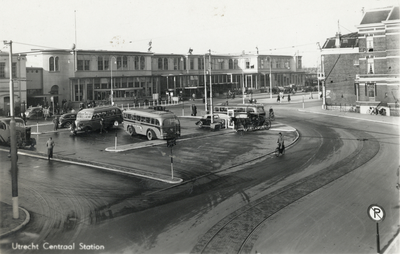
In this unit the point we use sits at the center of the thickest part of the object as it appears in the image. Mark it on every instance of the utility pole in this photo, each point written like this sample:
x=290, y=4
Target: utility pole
x=323, y=84
x=205, y=83
x=211, y=97
x=13, y=137
x=270, y=78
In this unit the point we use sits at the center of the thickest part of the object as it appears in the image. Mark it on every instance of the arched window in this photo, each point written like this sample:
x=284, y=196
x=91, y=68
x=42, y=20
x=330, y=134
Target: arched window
x=142, y=63
x=160, y=63
x=57, y=66
x=51, y=64
x=165, y=63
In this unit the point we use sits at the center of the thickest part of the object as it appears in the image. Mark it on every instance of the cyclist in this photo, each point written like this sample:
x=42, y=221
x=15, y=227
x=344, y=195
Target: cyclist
x=271, y=113
x=281, y=143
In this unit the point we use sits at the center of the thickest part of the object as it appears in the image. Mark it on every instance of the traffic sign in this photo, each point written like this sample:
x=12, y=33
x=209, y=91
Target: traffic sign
x=171, y=142
x=376, y=213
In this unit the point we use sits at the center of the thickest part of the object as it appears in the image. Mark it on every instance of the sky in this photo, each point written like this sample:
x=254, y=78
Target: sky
x=285, y=27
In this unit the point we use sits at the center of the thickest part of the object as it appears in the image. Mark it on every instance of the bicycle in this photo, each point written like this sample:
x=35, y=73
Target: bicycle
x=279, y=151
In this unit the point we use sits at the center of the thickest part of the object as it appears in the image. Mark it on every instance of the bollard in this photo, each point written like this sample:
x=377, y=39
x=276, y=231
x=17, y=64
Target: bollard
x=116, y=140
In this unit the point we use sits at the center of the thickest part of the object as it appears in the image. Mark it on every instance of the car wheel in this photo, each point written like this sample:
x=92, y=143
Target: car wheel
x=150, y=134
x=131, y=130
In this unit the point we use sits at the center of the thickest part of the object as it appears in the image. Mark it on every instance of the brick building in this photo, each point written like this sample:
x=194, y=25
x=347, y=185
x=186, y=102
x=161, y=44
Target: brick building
x=362, y=69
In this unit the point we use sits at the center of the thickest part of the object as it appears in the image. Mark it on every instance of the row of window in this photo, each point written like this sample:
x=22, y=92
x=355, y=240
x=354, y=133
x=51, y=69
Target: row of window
x=3, y=70
x=142, y=119
x=121, y=62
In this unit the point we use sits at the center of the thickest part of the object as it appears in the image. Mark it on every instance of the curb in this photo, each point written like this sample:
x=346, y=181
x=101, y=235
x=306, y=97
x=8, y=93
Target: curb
x=351, y=117
x=23, y=224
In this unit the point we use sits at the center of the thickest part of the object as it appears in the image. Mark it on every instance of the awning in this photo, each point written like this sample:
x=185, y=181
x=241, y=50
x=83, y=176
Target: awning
x=43, y=95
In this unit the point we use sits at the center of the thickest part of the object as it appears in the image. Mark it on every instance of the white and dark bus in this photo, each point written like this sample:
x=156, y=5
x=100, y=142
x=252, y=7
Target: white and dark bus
x=154, y=124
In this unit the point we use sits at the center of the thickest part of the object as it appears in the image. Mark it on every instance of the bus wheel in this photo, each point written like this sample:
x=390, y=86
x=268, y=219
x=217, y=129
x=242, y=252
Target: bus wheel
x=150, y=134
x=131, y=130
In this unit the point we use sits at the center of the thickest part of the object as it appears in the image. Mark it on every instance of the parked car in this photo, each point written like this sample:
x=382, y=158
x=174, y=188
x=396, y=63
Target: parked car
x=205, y=121
x=34, y=112
x=23, y=133
x=66, y=120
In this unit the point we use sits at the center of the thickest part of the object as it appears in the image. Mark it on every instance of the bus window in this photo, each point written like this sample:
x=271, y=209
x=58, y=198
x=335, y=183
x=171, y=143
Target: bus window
x=2, y=126
x=147, y=119
x=156, y=122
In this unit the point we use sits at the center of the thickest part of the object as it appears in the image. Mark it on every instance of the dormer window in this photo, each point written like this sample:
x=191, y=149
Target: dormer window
x=370, y=43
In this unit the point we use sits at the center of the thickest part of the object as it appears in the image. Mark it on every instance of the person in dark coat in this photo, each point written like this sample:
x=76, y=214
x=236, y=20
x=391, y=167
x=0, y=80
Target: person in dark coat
x=55, y=122
x=50, y=145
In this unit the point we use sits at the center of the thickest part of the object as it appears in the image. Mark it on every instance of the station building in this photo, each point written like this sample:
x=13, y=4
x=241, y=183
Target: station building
x=85, y=75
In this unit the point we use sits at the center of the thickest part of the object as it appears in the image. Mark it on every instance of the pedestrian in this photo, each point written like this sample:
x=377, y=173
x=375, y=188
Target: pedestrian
x=50, y=145
x=55, y=122
x=278, y=99
x=288, y=98
x=102, y=125
x=46, y=113
x=194, y=110
x=24, y=117
x=281, y=143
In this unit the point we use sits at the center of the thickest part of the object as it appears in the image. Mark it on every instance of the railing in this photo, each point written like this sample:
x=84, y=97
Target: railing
x=343, y=107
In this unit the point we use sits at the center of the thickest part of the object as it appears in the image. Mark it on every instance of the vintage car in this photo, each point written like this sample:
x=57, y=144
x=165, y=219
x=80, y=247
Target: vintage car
x=205, y=121
x=23, y=133
x=34, y=112
x=67, y=119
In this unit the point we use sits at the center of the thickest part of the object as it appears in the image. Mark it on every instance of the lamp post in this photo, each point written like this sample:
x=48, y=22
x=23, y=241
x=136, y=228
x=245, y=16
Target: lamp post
x=13, y=145
x=211, y=97
x=205, y=84
x=112, y=86
x=270, y=79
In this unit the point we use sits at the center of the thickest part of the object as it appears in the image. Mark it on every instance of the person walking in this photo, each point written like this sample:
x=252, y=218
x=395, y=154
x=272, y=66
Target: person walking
x=102, y=125
x=281, y=143
x=55, y=122
x=278, y=99
x=50, y=145
x=288, y=98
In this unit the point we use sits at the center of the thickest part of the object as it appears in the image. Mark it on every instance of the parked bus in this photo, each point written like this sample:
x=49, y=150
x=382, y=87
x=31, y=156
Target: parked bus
x=152, y=123
x=89, y=119
x=240, y=108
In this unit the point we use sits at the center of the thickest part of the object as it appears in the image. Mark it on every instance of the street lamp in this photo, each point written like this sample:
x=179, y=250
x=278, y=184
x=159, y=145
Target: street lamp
x=112, y=91
x=13, y=142
x=270, y=78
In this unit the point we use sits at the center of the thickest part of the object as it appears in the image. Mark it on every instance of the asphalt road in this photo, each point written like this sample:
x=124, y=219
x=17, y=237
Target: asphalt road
x=313, y=199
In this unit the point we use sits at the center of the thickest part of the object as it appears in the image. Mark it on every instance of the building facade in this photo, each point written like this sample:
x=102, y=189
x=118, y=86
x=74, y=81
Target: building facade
x=378, y=81
x=362, y=68
x=19, y=82
x=128, y=76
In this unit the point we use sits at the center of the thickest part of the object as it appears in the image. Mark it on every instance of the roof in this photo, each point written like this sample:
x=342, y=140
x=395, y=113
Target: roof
x=379, y=15
x=346, y=41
